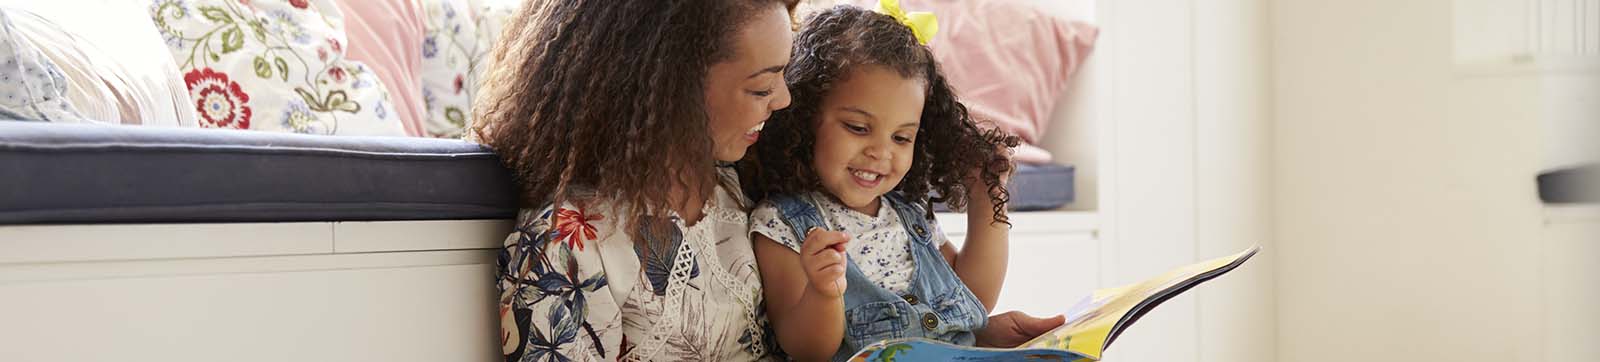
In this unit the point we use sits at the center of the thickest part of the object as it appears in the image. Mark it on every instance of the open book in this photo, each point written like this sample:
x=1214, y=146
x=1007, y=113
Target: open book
x=1091, y=324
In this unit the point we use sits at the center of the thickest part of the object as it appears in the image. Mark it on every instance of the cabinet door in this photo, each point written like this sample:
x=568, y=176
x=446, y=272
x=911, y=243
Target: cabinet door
x=1054, y=260
x=371, y=307
x=1049, y=273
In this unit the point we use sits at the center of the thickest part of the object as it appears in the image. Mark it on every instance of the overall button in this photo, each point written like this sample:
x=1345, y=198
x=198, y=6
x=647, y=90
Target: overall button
x=920, y=230
x=930, y=321
x=910, y=298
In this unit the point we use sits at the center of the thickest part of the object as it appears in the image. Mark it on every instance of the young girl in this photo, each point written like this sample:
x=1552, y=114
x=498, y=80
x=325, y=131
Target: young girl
x=848, y=248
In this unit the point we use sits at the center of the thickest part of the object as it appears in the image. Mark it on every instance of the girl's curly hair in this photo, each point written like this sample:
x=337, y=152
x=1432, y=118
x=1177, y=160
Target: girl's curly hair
x=606, y=97
x=950, y=147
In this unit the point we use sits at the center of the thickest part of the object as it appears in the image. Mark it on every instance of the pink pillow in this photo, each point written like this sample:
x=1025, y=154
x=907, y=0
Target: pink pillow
x=1009, y=60
x=387, y=36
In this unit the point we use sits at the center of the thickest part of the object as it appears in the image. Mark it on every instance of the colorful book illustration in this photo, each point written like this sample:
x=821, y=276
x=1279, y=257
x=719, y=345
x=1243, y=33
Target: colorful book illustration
x=1091, y=325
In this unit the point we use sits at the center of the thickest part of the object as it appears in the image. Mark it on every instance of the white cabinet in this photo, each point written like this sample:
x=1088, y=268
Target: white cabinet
x=305, y=291
x=1054, y=259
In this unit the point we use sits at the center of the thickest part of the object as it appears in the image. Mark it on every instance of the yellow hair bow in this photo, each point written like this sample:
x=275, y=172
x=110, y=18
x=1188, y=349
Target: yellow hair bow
x=923, y=24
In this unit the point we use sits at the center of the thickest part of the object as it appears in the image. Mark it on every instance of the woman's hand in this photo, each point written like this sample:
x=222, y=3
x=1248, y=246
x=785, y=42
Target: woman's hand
x=1010, y=329
x=822, y=256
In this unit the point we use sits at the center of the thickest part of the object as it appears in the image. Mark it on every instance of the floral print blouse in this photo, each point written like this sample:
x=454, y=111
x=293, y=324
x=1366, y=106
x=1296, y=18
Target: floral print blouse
x=575, y=286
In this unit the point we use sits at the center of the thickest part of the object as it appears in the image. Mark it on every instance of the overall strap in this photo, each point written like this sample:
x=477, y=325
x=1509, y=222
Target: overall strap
x=800, y=213
x=912, y=217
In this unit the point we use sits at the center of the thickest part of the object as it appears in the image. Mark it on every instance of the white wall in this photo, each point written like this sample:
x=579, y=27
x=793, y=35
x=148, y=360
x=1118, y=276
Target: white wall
x=1571, y=269
x=1404, y=210
x=1388, y=174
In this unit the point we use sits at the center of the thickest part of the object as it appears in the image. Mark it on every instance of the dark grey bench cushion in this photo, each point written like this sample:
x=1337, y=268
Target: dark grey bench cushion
x=76, y=173
x=1041, y=187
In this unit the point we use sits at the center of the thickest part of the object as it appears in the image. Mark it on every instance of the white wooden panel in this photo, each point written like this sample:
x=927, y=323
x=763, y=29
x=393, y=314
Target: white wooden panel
x=58, y=243
x=428, y=313
x=45, y=272
x=370, y=236
x=1153, y=109
x=1236, y=316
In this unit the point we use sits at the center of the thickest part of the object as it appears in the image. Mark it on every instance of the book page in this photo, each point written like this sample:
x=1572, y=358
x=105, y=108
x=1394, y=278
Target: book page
x=1091, y=323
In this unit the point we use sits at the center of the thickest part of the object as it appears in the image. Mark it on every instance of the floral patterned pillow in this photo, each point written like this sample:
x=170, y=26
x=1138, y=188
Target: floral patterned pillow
x=450, y=56
x=455, y=52
x=273, y=65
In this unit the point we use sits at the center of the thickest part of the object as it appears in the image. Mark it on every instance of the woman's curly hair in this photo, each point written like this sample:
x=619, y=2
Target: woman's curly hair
x=950, y=147
x=606, y=97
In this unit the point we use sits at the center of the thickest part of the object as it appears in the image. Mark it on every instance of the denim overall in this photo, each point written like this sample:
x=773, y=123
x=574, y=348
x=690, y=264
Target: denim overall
x=938, y=306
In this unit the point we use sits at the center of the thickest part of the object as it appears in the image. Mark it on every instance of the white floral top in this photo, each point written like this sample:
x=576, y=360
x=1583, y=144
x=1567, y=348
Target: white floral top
x=583, y=289
x=879, y=245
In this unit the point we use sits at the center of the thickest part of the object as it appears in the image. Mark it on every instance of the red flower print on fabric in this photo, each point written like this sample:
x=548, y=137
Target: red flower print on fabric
x=573, y=227
x=218, y=100
x=337, y=73
x=300, y=4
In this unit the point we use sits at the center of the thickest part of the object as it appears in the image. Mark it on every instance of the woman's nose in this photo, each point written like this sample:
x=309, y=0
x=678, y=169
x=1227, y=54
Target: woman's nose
x=781, y=99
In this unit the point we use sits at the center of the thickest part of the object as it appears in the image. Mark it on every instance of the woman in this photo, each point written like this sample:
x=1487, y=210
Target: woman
x=611, y=115
x=614, y=116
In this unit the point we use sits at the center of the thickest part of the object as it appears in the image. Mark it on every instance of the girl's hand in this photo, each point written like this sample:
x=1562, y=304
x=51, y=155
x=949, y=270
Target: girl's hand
x=1010, y=329
x=822, y=256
